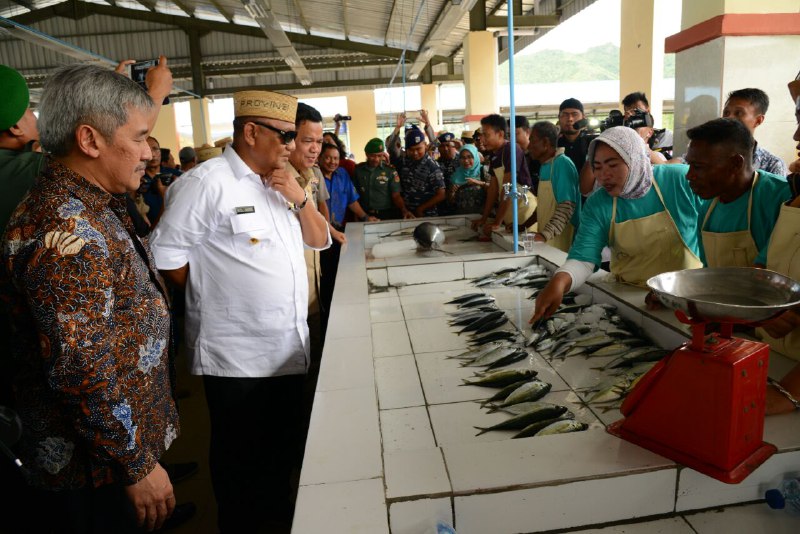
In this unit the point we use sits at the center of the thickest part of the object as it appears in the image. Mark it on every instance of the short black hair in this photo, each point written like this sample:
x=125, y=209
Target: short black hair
x=756, y=97
x=521, y=121
x=339, y=143
x=496, y=122
x=306, y=113
x=546, y=130
x=328, y=146
x=725, y=132
x=633, y=98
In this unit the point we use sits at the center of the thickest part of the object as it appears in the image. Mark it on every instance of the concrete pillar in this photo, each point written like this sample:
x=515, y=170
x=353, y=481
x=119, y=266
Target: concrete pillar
x=641, y=51
x=429, y=93
x=726, y=45
x=166, y=130
x=480, y=76
x=364, y=126
x=201, y=123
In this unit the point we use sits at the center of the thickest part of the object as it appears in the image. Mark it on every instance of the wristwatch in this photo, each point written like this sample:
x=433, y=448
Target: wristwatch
x=783, y=391
x=297, y=207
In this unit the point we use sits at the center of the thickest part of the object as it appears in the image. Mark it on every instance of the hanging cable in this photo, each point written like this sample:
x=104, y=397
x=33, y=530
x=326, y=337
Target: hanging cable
x=512, y=126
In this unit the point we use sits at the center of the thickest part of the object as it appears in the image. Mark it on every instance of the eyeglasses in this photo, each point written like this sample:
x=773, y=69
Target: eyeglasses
x=286, y=137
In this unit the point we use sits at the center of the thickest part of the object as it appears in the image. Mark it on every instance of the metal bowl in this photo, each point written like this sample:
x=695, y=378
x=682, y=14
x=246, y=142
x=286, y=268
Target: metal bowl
x=726, y=294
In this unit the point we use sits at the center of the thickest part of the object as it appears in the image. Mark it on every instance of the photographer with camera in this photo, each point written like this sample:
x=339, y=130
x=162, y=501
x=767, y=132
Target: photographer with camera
x=573, y=137
x=154, y=184
x=661, y=139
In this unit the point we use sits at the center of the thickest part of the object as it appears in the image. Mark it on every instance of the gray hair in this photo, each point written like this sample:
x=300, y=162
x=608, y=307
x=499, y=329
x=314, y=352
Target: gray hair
x=86, y=94
x=187, y=154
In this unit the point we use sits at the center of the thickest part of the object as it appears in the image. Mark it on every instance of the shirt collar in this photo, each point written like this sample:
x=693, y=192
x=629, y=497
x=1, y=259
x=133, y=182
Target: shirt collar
x=91, y=195
x=238, y=166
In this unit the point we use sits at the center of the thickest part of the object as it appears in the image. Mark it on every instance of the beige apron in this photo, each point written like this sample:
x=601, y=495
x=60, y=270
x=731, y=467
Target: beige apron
x=547, y=208
x=730, y=249
x=523, y=212
x=783, y=256
x=642, y=248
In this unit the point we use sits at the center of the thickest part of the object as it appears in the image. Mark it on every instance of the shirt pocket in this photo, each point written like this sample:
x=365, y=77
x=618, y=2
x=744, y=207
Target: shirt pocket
x=250, y=234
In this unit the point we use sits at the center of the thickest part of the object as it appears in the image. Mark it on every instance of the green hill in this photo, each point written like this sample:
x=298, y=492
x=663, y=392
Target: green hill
x=553, y=66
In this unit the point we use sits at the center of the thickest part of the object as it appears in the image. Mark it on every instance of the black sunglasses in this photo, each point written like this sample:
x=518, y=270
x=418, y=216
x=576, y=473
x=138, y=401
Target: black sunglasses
x=286, y=137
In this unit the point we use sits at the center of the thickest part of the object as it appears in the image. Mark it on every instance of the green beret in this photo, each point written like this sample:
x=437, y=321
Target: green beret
x=374, y=146
x=15, y=97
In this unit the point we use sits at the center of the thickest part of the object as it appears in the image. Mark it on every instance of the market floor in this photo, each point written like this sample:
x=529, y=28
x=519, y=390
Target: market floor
x=192, y=445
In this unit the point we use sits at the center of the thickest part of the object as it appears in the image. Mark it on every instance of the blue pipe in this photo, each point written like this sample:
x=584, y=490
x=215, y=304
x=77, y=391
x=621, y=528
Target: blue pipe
x=512, y=126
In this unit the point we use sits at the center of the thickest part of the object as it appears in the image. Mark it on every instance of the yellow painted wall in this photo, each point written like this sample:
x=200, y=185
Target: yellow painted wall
x=364, y=126
x=641, y=53
x=166, y=130
x=201, y=124
x=480, y=73
x=697, y=11
x=429, y=96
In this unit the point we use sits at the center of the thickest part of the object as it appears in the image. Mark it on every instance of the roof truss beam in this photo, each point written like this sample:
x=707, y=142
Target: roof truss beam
x=323, y=85
x=222, y=11
x=524, y=21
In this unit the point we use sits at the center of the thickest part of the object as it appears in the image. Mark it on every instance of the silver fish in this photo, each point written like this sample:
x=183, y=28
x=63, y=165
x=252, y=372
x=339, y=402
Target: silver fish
x=532, y=391
x=562, y=427
x=499, y=379
x=538, y=413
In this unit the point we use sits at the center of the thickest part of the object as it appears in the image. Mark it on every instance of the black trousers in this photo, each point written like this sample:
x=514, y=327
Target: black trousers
x=255, y=444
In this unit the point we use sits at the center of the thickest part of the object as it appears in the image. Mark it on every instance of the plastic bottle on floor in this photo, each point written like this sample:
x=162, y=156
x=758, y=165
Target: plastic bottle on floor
x=787, y=497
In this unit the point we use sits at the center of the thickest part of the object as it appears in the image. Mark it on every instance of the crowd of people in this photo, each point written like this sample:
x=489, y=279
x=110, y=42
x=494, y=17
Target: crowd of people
x=105, y=238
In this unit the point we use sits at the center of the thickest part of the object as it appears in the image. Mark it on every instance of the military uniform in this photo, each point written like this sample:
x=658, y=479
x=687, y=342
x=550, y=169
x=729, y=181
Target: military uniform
x=375, y=187
x=420, y=180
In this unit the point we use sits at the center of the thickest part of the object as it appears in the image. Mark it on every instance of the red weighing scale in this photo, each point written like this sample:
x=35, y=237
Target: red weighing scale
x=703, y=405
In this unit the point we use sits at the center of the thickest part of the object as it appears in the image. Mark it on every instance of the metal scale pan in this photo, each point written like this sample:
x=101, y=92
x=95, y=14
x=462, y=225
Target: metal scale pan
x=703, y=405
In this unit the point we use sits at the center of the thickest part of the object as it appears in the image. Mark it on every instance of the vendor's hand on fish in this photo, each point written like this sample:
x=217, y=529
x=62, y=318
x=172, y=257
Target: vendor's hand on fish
x=549, y=299
x=490, y=227
x=408, y=215
x=476, y=224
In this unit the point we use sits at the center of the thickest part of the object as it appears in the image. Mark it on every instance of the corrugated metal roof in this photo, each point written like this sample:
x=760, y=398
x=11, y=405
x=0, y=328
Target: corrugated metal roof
x=231, y=59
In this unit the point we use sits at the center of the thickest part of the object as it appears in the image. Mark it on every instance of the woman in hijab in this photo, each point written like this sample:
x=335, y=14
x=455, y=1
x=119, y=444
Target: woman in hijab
x=646, y=215
x=467, y=188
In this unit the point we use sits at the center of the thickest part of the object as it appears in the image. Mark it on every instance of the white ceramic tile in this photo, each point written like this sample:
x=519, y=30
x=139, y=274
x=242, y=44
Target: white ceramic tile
x=424, y=274
x=545, y=460
x=390, y=339
x=420, y=516
x=382, y=293
x=420, y=306
x=783, y=430
x=749, y=518
x=343, y=438
x=406, y=429
x=433, y=335
x=585, y=502
x=413, y=473
x=453, y=287
x=381, y=227
x=346, y=364
x=698, y=491
x=673, y=525
x=385, y=310
x=378, y=277
x=475, y=269
x=442, y=379
x=398, y=382
x=342, y=508
x=348, y=321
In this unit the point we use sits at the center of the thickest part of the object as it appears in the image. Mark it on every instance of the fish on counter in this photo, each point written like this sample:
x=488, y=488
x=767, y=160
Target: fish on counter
x=563, y=427
x=528, y=392
x=540, y=411
x=501, y=378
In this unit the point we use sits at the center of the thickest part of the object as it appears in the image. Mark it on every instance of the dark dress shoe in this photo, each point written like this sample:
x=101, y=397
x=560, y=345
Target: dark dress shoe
x=180, y=515
x=179, y=472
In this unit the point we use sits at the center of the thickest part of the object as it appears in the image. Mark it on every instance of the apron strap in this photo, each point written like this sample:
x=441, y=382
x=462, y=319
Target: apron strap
x=716, y=199
x=613, y=217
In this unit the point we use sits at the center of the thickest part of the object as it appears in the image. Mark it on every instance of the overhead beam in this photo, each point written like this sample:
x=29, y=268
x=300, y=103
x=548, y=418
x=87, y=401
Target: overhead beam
x=524, y=21
x=303, y=20
x=262, y=13
x=68, y=9
x=391, y=21
x=196, y=60
x=477, y=16
x=323, y=85
x=344, y=20
x=28, y=4
x=149, y=4
x=222, y=11
x=446, y=22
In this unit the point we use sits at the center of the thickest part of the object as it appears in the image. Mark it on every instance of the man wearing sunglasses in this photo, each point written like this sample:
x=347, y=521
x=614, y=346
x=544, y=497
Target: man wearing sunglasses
x=233, y=234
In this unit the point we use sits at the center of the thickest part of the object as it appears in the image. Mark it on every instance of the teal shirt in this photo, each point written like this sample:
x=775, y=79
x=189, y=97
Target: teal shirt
x=565, y=183
x=683, y=205
x=769, y=193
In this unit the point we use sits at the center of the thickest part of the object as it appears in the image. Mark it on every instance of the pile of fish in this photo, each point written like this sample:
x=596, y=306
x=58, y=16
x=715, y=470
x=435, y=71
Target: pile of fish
x=578, y=328
x=519, y=390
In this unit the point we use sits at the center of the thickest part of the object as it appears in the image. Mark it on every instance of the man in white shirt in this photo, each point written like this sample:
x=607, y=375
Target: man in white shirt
x=233, y=234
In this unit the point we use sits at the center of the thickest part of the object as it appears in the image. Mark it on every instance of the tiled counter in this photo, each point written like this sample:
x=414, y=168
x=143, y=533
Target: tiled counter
x=392, y=447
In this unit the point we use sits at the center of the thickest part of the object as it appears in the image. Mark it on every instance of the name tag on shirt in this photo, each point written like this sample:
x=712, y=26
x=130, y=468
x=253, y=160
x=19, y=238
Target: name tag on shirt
x=245, y=209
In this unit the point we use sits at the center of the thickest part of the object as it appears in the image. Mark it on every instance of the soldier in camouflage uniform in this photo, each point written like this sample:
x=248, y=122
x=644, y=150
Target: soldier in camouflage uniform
x=421, y=178
x=378, y=184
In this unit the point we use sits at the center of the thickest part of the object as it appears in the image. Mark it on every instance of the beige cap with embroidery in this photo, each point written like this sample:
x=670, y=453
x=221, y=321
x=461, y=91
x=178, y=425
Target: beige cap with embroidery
x=206, y=152
x=224, y=141
x=265, y=104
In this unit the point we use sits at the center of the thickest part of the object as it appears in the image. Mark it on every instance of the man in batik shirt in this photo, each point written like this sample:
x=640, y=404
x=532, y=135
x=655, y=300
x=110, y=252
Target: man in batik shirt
x=92, y=325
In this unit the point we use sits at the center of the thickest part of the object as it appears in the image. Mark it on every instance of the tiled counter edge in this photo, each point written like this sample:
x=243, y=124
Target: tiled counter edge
x=341, y=483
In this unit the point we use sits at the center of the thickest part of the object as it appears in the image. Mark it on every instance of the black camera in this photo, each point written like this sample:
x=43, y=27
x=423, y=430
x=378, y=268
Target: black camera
x=638, y=119
x=340, y=118
x=165, y=178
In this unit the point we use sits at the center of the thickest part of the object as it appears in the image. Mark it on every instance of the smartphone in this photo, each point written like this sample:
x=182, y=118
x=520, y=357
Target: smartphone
x=165, y=178
x=139, y=73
